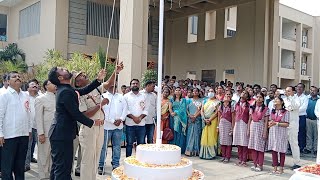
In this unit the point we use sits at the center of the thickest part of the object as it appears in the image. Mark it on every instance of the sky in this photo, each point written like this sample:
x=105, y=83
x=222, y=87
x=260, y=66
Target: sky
x=311, y=7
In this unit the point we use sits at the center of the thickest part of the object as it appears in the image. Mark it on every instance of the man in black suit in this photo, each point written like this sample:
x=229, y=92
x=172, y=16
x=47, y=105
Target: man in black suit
x=64, y=127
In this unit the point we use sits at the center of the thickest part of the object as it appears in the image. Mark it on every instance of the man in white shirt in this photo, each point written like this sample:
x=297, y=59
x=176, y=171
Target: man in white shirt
x=3, y=90
x=174, y=81
x=15, y=128
x=270, y=101
x=5, y=83
x=317, y=113
x=302, y=137
x=236, y=95
x=115, y=115
x=33, y=89
x=292, y=104
x=45, y=107
x=151, y=104
x=135, y=121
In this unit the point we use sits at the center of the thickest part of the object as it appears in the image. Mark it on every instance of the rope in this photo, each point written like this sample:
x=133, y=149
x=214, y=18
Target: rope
x=116, y=75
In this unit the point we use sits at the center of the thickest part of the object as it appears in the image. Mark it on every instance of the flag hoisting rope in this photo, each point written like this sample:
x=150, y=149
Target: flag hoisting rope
x=160, y=59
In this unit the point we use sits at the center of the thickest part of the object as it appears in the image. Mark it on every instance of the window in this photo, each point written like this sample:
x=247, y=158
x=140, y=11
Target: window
x=210, y=27
x=228, y=14
x=99, y=20
x=208, y=76
x=194, y=25
x=3, y=27
x=192, y=28
x=29, y=20
x=230, y=28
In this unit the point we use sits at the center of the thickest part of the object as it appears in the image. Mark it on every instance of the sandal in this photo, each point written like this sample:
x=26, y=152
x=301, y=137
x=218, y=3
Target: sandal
x=253, y=168
x=273, y=172
x=244, y=164
x=258, y=169
x=226, y=161
x=279, y=173
x=222, y=159
x=238, y=163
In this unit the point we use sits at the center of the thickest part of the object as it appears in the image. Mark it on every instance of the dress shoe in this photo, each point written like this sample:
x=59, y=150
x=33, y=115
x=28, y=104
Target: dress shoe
x=27, y=168
x=295, y=167
x=33, y=160
x=100, y=171
x=306, y=151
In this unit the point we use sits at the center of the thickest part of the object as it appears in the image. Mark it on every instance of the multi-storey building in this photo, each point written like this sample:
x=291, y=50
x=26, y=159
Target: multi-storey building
x=254, y=41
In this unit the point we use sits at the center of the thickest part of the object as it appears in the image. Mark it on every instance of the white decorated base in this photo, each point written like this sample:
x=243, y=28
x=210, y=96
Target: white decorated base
x=158, y=154
x=158, y=172
x=118, y=174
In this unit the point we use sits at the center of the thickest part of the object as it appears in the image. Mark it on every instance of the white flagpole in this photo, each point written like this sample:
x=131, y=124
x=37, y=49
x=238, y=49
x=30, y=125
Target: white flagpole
x=160, y=60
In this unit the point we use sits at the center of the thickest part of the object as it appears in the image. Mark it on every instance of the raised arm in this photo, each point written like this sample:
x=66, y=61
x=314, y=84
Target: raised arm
x=110, y=81
x=94, y=84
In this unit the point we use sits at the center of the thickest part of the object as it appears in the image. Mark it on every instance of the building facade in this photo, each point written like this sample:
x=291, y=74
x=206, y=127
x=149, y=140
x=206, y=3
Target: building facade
x=253, y=41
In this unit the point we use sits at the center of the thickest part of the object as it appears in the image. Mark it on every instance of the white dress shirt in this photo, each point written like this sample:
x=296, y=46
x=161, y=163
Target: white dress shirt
x=317, y=110
x=303, y=104
x=2, y=90
x=235, y=97
x=151, y=104
x=33, y=112
x=14, y=114
x=115, y=109
x=271, y=106
x=292, y=104
x=136, y=104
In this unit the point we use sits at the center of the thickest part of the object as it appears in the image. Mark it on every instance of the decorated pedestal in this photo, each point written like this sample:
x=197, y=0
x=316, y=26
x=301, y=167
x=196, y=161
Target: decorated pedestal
x=310, y=172
x=154, y=162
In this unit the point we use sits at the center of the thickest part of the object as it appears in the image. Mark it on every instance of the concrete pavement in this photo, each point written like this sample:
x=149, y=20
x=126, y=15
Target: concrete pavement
x=213, y=169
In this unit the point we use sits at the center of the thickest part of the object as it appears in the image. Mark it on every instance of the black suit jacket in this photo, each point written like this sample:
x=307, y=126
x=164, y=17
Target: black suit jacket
x=67, y=113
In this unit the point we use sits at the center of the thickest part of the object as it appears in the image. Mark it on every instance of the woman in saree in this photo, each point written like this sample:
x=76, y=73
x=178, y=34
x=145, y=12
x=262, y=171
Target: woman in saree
x=178, y=112
x=165, y=114
x=194, y=124
x=209, y=137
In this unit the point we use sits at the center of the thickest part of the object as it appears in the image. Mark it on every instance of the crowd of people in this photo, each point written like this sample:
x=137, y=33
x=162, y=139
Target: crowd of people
x=204, y=119
x=209, y=119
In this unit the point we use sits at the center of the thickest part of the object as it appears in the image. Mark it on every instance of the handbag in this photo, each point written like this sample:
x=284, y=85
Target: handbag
x=167, y=134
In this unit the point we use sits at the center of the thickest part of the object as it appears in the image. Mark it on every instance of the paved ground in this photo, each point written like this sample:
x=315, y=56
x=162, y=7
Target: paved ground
x=213, y=169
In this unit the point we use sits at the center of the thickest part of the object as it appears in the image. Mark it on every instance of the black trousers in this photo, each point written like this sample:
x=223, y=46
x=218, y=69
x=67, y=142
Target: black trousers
x=13, y=157
x=62, y=157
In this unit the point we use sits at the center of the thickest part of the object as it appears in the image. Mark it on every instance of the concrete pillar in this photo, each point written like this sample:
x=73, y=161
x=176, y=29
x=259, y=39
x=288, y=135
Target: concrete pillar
x=133, y=39
x=298, y=54
x=316, y=56
x=167, y=47
x=61, y=26
x=261, y=41
x=274, y=45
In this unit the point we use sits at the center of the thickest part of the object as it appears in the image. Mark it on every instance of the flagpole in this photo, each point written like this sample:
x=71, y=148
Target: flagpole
x=160, y=60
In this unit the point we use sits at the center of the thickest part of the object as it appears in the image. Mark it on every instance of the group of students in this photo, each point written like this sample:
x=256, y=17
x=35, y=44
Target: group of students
x=249, y=119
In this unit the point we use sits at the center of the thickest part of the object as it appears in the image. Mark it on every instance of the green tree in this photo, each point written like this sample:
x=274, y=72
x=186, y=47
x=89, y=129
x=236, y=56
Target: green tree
x=13, y=53
x=149, y=75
